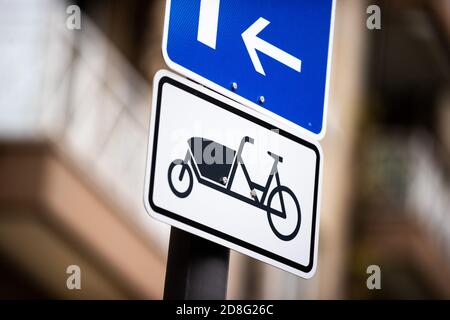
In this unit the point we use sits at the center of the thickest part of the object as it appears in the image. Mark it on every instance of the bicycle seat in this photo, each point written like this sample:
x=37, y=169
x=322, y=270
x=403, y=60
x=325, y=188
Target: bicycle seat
x=275, y=156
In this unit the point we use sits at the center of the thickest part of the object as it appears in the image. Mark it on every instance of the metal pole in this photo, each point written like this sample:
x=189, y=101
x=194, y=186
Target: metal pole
x=197, y=269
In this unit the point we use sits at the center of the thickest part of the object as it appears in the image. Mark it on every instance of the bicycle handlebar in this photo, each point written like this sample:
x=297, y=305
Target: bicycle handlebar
x=248, y=139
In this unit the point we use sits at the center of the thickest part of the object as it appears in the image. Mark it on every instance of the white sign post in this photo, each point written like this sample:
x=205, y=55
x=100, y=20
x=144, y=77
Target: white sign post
x=232, y=177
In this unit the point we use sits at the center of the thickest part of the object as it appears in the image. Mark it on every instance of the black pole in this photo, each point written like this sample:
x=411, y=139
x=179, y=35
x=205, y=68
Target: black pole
x=197, y=269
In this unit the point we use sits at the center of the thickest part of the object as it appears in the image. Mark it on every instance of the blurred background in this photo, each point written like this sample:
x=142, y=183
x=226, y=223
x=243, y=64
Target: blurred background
x=74, y=112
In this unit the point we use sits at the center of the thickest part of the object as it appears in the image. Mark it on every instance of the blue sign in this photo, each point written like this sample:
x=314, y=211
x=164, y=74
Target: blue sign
x=271, y=55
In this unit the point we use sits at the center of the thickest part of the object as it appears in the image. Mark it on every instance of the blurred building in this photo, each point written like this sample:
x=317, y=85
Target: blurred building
x=402, y=213
x=74, y=113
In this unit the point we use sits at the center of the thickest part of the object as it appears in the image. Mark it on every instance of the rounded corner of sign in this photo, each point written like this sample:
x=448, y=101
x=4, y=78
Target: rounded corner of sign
x=318, y=149
x=150, y=207
x=146, y=203
x=162, y=76
x=315, y=143
x=321, y=134
x=310, y=272
x=161, y=73
x=169, y=62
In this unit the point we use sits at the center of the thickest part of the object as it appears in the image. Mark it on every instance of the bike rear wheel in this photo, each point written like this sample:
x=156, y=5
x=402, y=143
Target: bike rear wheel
x=282, y=192
x=185, y=171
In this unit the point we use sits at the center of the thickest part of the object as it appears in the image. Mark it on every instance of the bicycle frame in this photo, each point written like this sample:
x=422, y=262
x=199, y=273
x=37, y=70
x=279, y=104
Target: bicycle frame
x=253, y=185
x=238, y=161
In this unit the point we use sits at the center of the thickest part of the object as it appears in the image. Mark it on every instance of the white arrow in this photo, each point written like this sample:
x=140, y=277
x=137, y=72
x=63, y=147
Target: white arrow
x=253, y=42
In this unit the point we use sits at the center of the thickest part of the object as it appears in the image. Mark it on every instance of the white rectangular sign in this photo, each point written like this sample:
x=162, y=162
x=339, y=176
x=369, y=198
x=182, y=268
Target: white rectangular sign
x=232, y=177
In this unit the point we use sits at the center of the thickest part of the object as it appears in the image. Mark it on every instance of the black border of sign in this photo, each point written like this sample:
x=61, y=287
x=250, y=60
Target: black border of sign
x=214, y=232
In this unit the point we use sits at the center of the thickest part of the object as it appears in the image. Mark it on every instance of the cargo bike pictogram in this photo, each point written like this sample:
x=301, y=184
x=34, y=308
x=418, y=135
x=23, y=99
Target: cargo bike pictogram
x=220, y=175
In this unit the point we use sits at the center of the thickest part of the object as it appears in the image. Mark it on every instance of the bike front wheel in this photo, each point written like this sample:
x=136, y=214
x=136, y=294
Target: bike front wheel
x=284, y=193
x=184, y=187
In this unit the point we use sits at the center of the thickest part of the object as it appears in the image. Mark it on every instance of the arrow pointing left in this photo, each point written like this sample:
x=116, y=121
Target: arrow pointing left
x=253, y=42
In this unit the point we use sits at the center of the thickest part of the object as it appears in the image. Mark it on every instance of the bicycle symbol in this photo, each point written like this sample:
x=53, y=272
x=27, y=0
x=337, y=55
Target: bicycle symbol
x=220, y=176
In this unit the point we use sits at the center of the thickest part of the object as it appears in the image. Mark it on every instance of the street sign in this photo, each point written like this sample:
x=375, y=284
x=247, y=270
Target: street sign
x=271, y=55
x=232, y=177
